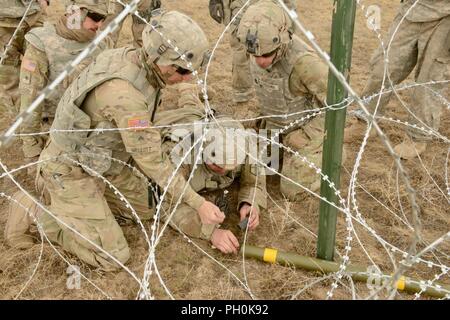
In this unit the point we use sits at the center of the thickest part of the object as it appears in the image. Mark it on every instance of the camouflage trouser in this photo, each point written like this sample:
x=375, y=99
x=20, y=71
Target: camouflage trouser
x=242, y=82
x=308, y=141
x=84, y=203
x=10, y=68
x=187, y=220
x=137, y=25
x=427, y=46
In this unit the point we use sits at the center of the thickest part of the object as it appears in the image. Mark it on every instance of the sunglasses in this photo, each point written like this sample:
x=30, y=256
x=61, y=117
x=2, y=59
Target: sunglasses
x=95, y=16
x=182, y=71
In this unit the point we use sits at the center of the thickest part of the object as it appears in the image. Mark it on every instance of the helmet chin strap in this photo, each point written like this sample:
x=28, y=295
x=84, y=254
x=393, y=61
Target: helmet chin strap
x=281, y=52
x=151, y=68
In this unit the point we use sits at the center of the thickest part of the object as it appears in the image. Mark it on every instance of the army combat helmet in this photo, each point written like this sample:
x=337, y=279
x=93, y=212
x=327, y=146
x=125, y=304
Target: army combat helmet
x=174, y=29
x=265, y=28
x=225, y=143
x=97, y=10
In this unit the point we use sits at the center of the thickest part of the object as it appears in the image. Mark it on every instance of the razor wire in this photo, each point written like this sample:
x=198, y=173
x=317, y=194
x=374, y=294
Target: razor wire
x=387, y=75
x=8, y=45
x=76, y=232
x=43, y=235
x=23, y=116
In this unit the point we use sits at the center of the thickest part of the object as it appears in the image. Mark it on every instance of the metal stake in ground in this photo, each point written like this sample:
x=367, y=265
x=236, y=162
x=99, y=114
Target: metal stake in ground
x=341, y=54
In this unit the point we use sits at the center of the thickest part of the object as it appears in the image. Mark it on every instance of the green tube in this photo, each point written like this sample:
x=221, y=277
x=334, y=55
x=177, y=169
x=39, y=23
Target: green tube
x=358, y=273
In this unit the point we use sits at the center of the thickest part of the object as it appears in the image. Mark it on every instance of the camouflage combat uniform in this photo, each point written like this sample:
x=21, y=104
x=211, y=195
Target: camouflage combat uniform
x=48, y=53
x=422, y=40
x=242, y=83
x=295, y=83
x=10, y=15
x=112, y=92
x=298, y=82
x=252, y=186
x=120, y=89
x=145, y=7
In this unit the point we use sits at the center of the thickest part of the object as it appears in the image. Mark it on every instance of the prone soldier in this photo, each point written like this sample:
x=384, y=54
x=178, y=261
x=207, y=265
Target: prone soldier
x=223, y=161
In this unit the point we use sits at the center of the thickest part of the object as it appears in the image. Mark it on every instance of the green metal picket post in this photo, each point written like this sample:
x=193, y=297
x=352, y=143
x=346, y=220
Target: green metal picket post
x=341, y=54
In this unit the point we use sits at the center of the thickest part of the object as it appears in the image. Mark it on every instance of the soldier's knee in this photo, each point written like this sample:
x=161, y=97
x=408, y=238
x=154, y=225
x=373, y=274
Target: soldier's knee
x=107, y=259
x=22, y=210
x=299, y=178
x=116, y=251
x=114, y=260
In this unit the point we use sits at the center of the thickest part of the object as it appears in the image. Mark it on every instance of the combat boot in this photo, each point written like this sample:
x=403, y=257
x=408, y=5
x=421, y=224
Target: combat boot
x=17, y=228
x=410, y=149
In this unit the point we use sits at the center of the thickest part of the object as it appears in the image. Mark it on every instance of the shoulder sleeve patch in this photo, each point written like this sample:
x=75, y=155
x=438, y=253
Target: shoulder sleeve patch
x=28, y=65
x=138, y=122
x=34, y=37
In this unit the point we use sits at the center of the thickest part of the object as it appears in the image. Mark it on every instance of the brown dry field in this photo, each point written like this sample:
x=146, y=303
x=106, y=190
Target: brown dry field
x=189, y=274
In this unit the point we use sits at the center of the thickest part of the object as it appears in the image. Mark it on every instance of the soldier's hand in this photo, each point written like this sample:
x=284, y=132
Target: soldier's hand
x=216, y=10
x=156, y=4
x=210, y=213
x=44, y=4
x=252, y=213
x=225, y=241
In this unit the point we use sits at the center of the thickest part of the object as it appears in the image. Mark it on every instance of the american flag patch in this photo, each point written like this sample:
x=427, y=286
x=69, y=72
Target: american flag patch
x=138, y=123
x=28, y=65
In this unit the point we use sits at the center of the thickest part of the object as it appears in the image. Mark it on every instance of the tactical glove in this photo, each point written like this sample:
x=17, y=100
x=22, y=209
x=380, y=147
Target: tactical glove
x=216, y=10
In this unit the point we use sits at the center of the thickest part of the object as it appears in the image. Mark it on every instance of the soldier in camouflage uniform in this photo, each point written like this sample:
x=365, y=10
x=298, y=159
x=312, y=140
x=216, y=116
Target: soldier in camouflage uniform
x=223, y=12
x=222, y=162
x=145, y=8
x=422, y=40
x=49, y=50
x=120, y=89
x=288, y=77
x=10, y=16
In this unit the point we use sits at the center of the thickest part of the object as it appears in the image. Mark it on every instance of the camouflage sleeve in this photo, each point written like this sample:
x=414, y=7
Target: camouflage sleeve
x=33, y=78
x=252, y=185
x=188, y=96
x=126, y=106
x=309, y=76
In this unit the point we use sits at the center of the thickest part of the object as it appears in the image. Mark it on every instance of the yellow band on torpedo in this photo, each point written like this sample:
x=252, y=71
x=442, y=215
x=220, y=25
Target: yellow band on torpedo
x=270, y=255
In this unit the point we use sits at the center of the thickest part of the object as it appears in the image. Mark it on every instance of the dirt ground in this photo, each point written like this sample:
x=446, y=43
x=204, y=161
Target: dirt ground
x=190, y=274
